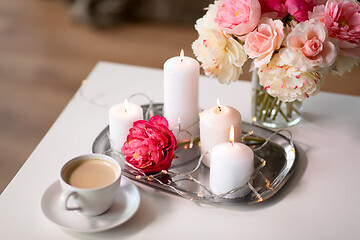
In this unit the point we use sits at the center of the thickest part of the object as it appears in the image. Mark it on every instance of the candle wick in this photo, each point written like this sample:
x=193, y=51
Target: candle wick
x=125, y=110
x=181, y=60
x=219, y=108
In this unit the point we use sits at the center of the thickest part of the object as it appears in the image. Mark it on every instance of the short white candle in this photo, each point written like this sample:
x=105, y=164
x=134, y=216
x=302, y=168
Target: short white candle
x=121, y=118
x=181, y=95
x=215, y=125
x=231, y=166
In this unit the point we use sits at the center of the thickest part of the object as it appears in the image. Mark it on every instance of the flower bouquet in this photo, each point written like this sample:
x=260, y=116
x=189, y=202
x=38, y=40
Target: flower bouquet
x=293, y=43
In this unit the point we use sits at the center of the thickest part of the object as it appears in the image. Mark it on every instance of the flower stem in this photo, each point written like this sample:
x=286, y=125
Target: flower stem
x=297, y=111
x=283, y=114
x=260, y=97
x=277, y=110
x=256, y=97
x=271, y=107
x=289, y=108
x=264, y=102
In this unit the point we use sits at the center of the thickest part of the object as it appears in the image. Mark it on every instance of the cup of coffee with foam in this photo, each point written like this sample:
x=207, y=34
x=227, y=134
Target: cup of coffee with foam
x=90, y=184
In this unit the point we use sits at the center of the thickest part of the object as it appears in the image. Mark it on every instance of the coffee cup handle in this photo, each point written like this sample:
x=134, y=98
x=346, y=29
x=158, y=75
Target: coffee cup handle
x=64, y=198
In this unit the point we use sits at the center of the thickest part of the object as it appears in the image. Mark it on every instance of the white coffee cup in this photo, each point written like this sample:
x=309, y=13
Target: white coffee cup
x=90, y=184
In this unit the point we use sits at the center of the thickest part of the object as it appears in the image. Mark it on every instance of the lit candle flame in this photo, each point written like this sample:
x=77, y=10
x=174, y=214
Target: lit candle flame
x=182, y=55
x=231, y=134
x=218, y=104
x=126, y=103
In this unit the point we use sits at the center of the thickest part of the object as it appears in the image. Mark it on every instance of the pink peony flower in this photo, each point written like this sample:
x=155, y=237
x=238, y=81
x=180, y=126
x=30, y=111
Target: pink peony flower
x=150, y=145
x=277, y=6
x=309, y=49
x=299, y=8
x=261, y=43
x=238, y=17
x=342, y=20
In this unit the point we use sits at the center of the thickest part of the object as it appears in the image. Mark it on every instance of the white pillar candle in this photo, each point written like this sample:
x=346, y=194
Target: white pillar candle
x=121, y=118
x=215, y=125
x=181, y=95
x=231, y=166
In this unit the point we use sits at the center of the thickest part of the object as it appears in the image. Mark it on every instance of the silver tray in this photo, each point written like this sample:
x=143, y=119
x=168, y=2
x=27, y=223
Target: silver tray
x=279, y=154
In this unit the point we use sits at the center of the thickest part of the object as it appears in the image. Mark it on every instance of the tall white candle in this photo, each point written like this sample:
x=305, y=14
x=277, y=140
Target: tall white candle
x=121, y=118
x=181, y=95
x=215, y=125
x=231, y=166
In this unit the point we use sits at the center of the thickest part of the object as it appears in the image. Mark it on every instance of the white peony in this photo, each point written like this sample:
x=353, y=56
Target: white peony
x=231, y=65
x=220, y=55
x=287, y=82
x=209, y=50
x=344, y=64
x=208, y=20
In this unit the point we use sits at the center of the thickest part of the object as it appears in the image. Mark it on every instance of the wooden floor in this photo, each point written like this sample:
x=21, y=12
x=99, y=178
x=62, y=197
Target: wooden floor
x=44, y=57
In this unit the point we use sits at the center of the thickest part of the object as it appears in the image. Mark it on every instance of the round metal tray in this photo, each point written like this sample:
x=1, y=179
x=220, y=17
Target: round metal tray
x=279, y=154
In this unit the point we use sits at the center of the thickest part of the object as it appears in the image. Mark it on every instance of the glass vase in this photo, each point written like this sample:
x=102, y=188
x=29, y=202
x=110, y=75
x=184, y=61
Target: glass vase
x=271, y=112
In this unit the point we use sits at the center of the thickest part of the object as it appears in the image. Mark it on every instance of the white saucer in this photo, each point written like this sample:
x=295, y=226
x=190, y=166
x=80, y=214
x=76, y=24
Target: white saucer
x=124, y=207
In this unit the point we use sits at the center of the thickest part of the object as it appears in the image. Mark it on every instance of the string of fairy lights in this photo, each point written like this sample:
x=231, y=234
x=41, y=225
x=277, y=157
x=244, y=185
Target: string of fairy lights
x=187, y=176
x=171, y=177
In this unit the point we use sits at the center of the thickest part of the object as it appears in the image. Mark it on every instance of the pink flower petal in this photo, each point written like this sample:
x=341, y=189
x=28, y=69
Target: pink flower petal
x=238, y=17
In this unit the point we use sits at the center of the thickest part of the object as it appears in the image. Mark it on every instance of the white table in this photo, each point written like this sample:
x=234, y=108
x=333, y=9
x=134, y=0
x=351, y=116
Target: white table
x=319, y=202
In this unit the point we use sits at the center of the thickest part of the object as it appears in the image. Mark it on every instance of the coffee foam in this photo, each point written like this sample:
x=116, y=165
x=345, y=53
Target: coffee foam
x=90, y=173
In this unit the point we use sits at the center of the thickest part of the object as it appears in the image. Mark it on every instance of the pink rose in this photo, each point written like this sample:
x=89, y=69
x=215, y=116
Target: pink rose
x=278, y=6
x=312, y=48
x=342, y=20
x=238, y=17
x=261, y=43
x=299, y=8
x=150, y=145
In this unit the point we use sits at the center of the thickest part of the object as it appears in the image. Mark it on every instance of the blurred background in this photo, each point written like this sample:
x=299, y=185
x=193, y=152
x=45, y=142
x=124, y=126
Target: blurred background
x=47, y=47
